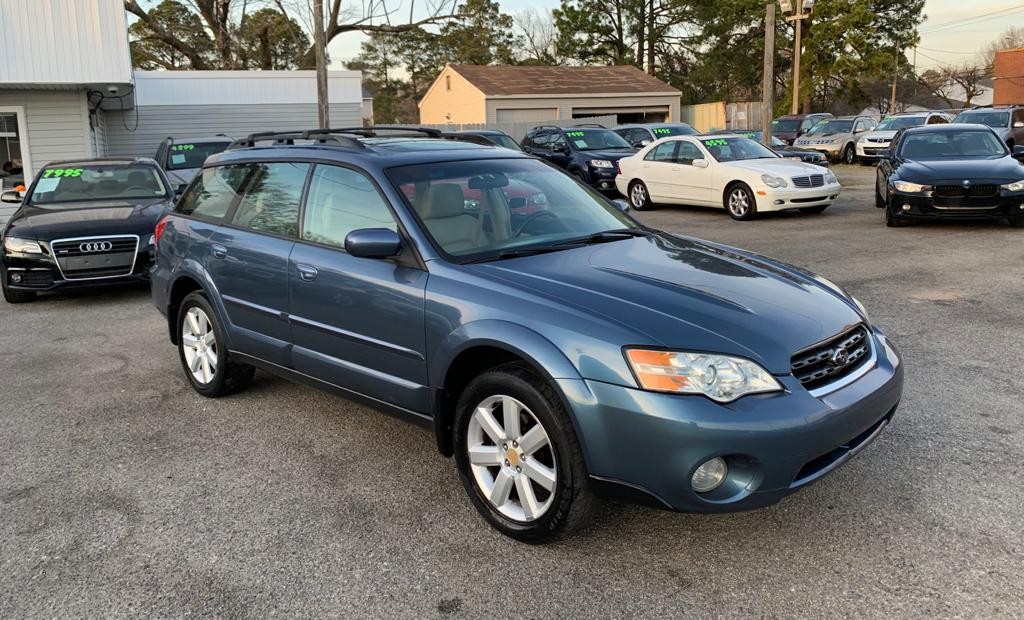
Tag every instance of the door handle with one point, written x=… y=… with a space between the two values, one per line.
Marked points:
x=218 y=250
x=307 y=273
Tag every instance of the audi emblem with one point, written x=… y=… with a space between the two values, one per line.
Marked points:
x=95 y=246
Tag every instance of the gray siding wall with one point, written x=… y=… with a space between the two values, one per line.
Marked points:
x=56 y=121
x=193 y=121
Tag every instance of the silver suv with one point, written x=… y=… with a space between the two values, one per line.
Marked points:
x=871 y=142
x=837 y=137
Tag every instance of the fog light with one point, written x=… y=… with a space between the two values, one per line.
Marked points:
x=709 y=476
x=906 y=207
x=779 y=202
x=16 y=277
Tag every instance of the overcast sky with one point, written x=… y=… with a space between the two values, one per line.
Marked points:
x=956 y=39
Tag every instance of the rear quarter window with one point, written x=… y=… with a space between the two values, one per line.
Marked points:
x=213 y=192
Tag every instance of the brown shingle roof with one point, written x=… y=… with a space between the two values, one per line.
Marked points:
x=536 y=80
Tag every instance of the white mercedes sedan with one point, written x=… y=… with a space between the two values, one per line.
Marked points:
x=732 y=172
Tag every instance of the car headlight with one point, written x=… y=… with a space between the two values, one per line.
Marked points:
x=830 y=177
x=862 y=141
x=23 y=246
x=721 y=378
x=773 y=181
x=911 y=188
x=601 y=163
x=1014 y=187
x=795 y=158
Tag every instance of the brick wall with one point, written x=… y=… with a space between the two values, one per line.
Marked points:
x=1008 y=74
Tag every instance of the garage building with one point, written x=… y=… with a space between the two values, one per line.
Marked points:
x=464 y=94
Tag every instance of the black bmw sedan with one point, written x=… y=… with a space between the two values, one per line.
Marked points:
x=83 y=223
x=950 y=171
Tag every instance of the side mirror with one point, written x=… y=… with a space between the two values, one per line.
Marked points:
x=1018 y=125
x=516 y=202
x=11 y=196
x=885 y=153
x=621 y=204
x=643 y=143
x=1018 y=151
x=373 y=243
x=701 y=163
x=560 y=148
x=180 y=189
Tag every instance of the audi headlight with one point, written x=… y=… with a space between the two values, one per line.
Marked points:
x=1014 y=187
x=911 y=188
x=773 y=181
x=721 y=378
x=601 y=163
x=23 y=246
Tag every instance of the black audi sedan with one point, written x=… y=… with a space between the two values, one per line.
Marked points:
x=83 y=223
x=954 y=171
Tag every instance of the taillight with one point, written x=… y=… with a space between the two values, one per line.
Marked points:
x=160 y=226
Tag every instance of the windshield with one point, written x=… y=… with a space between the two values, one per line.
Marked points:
x=999 y=120
x=505 y=141
x=82 y=182
x=895 y=123
x=828 y=127
x=786 y=125
x=673 y=130
x=737 y=149
x=596 y=139
x=184 y=156
x=475 y=210
x=952 y=145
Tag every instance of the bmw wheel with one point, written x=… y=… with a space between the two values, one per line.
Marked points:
x=639 y=197
x=518 y=456
x=206 y=362
x=740 y=202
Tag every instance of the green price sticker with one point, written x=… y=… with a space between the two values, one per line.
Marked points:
x=663 y=131
x=183 y=147
x=748 y=134
x=62 y=172
x=575 y=134
x=716 y=142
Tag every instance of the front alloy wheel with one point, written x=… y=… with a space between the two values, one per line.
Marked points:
x=639 y=199
x=739 y=202
x=849 y=155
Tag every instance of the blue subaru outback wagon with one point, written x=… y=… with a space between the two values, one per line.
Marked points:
x=560 y=350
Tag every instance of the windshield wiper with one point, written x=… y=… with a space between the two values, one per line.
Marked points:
x=607 y=235
x=502 y=255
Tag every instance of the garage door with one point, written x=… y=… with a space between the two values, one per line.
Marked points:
x=511 y=115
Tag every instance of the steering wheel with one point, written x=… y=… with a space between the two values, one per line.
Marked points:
x=533 y=217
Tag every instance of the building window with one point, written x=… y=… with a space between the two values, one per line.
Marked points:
x=447 y=82
x=12 y=172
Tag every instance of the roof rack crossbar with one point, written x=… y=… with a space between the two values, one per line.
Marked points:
x=318 y=136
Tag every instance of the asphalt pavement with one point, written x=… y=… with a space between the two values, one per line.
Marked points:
x=123 y=493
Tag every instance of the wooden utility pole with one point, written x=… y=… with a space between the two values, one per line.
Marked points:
x=323 y=114
x=895 y=79
x=768 y=85
x=798 y=21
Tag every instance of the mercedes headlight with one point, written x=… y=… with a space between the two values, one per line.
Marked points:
x=601 y=163
x=22 y=246
x=830 y=177
x=794 y=158
x=773 y=181
x=722 y=378
x=1014 y=187
x=911 y=188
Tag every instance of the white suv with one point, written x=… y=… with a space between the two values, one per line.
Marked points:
x=872 y=142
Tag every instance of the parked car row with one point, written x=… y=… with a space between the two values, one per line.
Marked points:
x=479 y=291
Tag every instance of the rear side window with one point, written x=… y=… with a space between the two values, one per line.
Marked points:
x=213 y=192
x=341 y=200
x=665 y=151
x=271 y=200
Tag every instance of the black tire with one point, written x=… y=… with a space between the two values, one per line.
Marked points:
x=849 y=155
x=579 y=177
x=894 y=221
x=229 y=376
x=814 y=210
x=572 y=502
x=740 y=215
x=17 y=297
x=879 y=200
x=634 y=200
x=865 y=162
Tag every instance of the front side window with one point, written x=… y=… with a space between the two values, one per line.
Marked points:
x=688 y=152
x=830 y=127
x=341 y=200
x=213 y=192
x=737 y=149
x=952 y=145
x=663 y=152
x=185 y=156
x=467 y=207
x=85 y=182
x=271 y=200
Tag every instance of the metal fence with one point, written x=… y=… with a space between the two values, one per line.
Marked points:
x=518 y=129
x=722 y=115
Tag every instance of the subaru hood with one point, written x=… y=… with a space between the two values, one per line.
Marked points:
x=682 y=293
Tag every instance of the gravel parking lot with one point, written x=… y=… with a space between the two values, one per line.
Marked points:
x=122 y=492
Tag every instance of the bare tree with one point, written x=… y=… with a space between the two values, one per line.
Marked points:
x=539 y=35
x=1012 y=38
x=957 y=86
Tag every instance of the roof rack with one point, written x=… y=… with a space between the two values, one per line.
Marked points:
x=598 y=125
x=370 y=131
x=339 y=136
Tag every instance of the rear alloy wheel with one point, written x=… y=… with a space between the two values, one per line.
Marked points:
x=740 y=202
x=639 y=197
x=849 y=155
x=205 y=360
x=518 y=456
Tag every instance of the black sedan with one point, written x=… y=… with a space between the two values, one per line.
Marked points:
x=950 y=171
x=83 y=223
x=784 y=150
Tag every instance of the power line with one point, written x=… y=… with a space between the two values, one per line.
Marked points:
x=970 y=21
x=975 y=53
